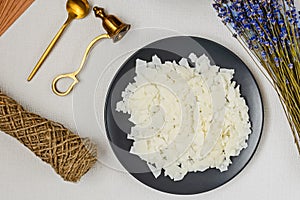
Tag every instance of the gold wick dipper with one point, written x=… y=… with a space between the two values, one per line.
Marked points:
x=115 y=29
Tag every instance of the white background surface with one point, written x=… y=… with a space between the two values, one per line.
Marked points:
x=273 y=173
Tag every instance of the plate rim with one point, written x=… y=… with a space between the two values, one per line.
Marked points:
x=261 y=104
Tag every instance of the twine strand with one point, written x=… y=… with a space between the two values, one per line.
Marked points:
x=68 y=154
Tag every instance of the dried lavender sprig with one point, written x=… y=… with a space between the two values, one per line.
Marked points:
x=271 y=31
x=257 y=38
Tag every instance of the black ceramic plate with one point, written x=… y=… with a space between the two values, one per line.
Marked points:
x=118 y=126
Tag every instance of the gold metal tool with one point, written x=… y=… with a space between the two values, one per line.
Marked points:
x=115 y=29
x=77 y=9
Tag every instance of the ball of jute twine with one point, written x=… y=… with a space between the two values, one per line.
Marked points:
x=69 y=155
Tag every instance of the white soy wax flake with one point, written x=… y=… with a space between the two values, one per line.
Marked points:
x=181 y=113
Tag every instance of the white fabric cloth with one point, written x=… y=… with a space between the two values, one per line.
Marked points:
x=273 y=173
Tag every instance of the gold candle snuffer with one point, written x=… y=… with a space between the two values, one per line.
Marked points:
x=115 y=29
x=77 y=9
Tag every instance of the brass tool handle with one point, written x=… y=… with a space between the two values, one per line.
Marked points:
x=49 y=48
x=74 y=74
x=63 y=76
